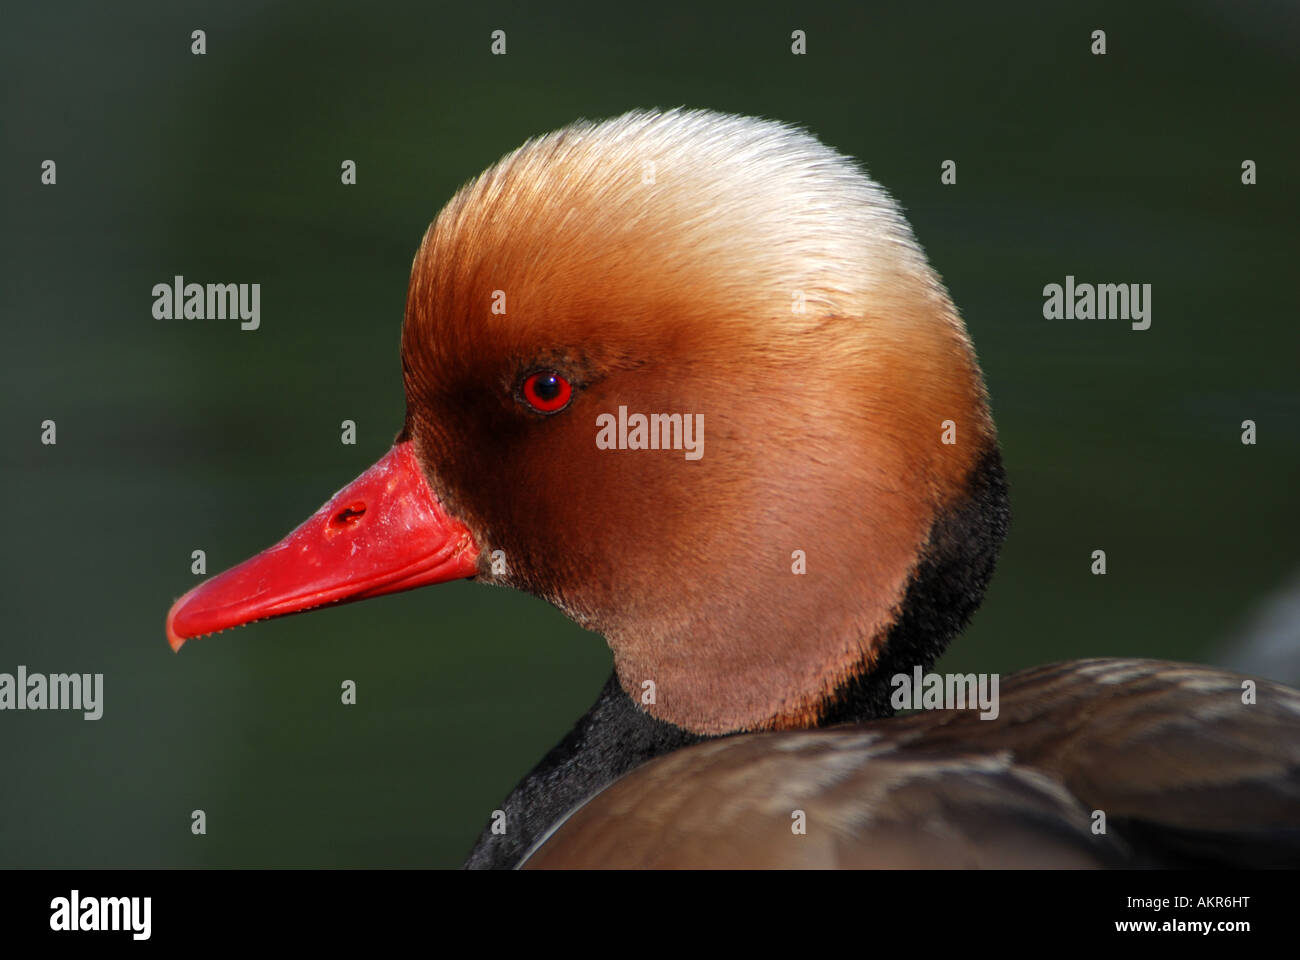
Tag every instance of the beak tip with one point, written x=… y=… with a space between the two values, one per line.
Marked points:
x=174 y=639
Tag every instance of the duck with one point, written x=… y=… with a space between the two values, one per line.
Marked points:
x=830 y=524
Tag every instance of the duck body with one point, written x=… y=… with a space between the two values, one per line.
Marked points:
x=833 y=523
x=1092 y=763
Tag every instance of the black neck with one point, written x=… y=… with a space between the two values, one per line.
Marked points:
x=946 y=589
x=616 y=735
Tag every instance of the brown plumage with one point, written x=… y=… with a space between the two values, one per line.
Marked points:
x=738 y=271
x=678 y=296
x=1184 y=772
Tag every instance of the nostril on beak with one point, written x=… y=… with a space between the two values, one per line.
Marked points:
x=349 y=514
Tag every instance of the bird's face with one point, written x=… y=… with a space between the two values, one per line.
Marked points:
x=762 y=305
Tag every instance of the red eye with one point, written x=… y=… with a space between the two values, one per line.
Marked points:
x=546 y=391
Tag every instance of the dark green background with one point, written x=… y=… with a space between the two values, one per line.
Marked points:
x=180 y=434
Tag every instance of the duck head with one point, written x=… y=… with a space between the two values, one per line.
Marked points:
x=820 y=496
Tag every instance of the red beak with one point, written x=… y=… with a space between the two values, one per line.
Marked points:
x=383 y=532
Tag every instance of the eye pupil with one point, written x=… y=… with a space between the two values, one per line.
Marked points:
x=548 y=386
